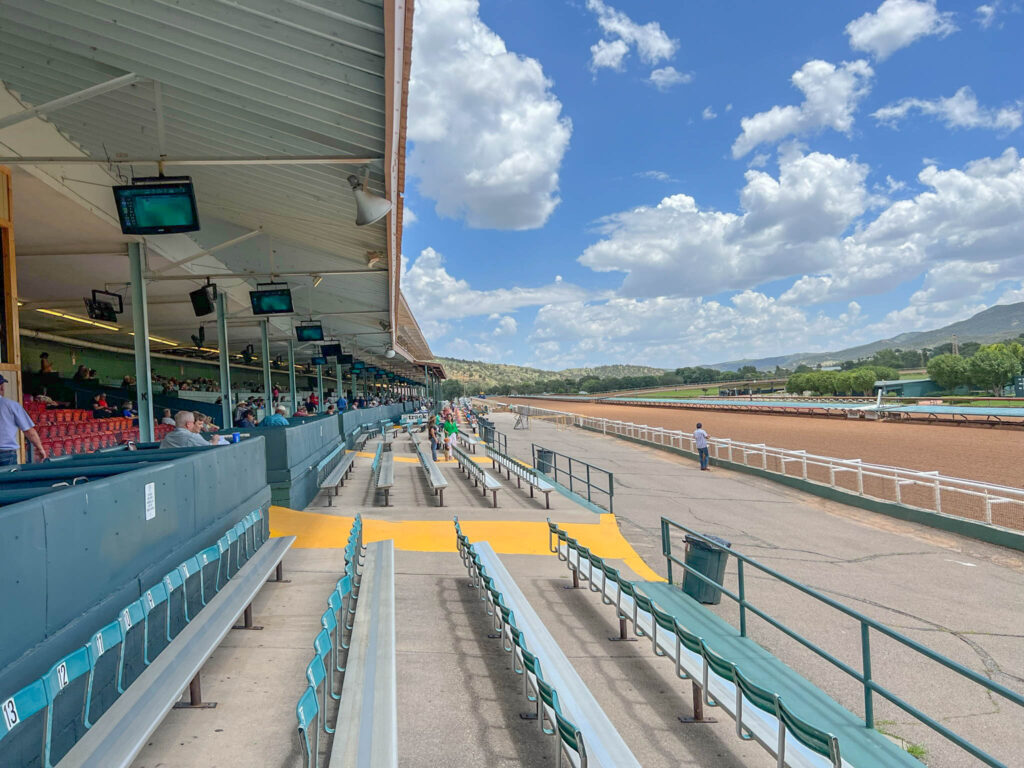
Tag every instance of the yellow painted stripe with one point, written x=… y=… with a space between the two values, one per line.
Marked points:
x=477 y=459
x=314 y=530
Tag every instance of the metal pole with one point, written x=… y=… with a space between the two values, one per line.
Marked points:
x=225 y=365
x=268 y=387
x=339 y=391
x=292 y=384
x=140 y=324
x=320 y=386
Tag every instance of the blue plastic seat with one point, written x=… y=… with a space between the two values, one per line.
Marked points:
x=192 y=576
x=105 y=649
x=133 y=648
x=177 y=617
x=224 y=564
x=23 y=726
x=307 y=712
x=67 y=689
x=154 y=605
x=243 y=553
x=316 y=676
x=209 y=567
x=233 y=546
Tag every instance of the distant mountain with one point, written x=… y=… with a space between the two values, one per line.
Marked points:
x=996 y=323
x=491 y=374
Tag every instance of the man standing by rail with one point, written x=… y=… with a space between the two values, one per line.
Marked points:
x=14 y=419
x=700 y=439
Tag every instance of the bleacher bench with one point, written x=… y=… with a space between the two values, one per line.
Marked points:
x=435 y=477
x=481 y=478
x=367 y=727
x=384 y=472
x=342 y=461
x=599 y=743
x=124 y=729
x=468 y=440
x=723 y=667
x=512 y=467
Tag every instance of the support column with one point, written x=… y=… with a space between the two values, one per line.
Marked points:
x=225 y=363
x=268 y=385
x=140 y=325
x=320 y=388
x=292 y=384
x=339 y=391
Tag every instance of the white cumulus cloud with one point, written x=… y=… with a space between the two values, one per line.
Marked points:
x=507 y=325
x=831 y=95
x=435 y=295
x=621 y=34
x=896 y=24
x=961 y=110
x=486 y=146
x=789 y=225
x=666 y=77
x=709 y=113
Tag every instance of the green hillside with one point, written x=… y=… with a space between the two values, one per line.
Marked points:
x=486 y=376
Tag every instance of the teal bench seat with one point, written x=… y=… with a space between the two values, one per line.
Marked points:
x=861 y=746
x=707 y=650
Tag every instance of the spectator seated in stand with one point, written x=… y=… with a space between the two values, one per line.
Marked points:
x=126 y=410
x=81 y=374
x=127 y=382
x=301 y=412
x=185 y=433
x=167 y=418
x=246 y=422
x=45 y=399
x=279 y=418
x=100 y=408
x=45 y=366
x=331 y=411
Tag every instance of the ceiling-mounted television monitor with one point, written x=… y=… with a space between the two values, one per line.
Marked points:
x=358 y=365
x=157 y=206
x=271 y=301
x=100 y=310
x=204 y=300
x=309 y=332
x=318 y=361
x=330 y=350
x=346 y=359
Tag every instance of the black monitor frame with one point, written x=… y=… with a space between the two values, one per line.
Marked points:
x=155 y=183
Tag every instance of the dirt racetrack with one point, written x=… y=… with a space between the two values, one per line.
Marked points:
x=975 y=453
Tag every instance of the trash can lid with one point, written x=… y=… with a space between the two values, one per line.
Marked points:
x=702 y=544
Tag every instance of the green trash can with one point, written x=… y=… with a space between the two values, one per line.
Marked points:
x=709 y=561
x=546 y=461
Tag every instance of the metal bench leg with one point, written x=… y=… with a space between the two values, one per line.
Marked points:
x=330 y=499
x=279 y=574
x=195 y=697
x=531 y=491
x=247 y=619
x=387 y=502
x=440 y=497
x=623 y=635
x=495 y=495
x=547 y=500
x=698 y=707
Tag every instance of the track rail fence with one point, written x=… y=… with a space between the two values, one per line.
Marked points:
x=996 y=505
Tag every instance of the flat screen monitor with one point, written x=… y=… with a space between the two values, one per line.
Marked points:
x=358 y=365
x=309 y=332
x=318 y=361
x=271 y=301
x=346 y=359
x=157 y=209
x=330 y=350
x=204 y=300
x=100 y=310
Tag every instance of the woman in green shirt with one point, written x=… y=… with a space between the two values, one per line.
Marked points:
x=450 y=429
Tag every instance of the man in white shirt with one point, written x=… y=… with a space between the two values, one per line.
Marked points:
x=167 y=419
x=700 y=438
x=185 y=433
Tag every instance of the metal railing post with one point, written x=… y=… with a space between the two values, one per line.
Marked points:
x=865 y=652
x=666 y=547
x=743 y=598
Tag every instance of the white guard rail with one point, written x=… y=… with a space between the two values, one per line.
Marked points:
x=1000 y=506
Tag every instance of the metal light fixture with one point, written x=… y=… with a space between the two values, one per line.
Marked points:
x=389 y=352
x=369 y=207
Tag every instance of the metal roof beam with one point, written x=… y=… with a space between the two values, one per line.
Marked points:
x=71 y=98
x=247 y=275
x=221 y=160
x=208 y=251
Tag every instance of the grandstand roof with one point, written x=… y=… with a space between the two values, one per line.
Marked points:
x=248 y=90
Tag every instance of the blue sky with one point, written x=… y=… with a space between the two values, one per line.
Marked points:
x=671 y=183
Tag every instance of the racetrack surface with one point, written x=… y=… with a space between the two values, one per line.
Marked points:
x=975 y=453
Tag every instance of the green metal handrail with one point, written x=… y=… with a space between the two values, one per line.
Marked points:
x=866 y=625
